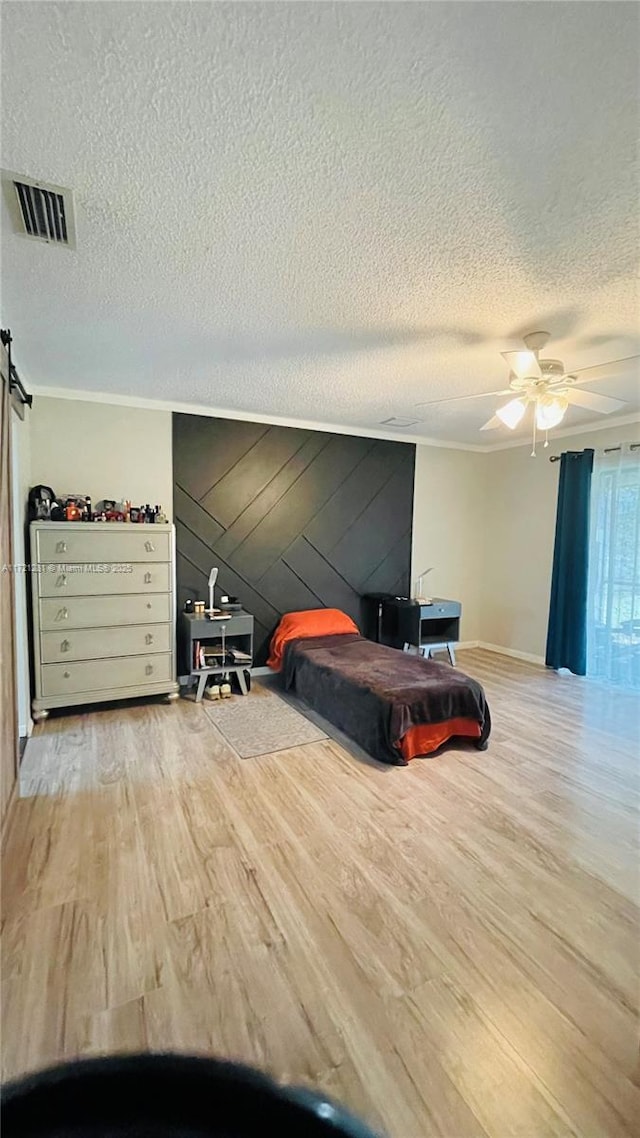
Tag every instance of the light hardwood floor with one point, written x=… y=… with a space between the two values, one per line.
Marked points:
x=450 y=948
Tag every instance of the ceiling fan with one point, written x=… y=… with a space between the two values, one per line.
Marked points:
x=545 y=385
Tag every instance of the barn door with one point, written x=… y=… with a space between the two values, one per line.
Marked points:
x=9 y=741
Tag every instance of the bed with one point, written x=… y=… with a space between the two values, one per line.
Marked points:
x=393 y=704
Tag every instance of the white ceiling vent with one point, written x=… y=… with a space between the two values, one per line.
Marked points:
x=395 y=422
x=40 y=210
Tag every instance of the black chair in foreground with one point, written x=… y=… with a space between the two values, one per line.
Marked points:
x=167 y=1096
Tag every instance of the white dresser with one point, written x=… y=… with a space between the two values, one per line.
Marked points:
x=103 y=612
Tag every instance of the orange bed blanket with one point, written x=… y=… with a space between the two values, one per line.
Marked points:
x=427 y=737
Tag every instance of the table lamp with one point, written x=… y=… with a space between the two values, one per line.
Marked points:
x=213 y=576
x=418 y=596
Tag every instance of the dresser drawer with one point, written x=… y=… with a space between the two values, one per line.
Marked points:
x=101 y=612
x=96 y=643
x=234 y=625
x=114 y=543
x=82 y=580
x=440 y=609
x=100 y=675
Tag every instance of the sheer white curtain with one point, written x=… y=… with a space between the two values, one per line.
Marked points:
x=613 y=614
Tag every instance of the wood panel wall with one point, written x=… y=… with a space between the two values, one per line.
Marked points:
x=295 y=519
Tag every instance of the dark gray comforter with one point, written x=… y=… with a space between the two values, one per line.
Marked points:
x=375 y=694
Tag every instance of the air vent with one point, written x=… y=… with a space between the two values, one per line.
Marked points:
x=41 y=211
x=399 y=422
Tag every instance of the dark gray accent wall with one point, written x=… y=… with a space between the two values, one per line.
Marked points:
x=295 y=519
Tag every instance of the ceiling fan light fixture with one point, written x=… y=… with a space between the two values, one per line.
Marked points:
x=512 y=413
x=524 y=365
x=550 y=410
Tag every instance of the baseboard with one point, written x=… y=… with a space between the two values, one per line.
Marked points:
x=500 y=650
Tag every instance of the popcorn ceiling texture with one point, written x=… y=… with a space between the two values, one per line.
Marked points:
x=324 y=211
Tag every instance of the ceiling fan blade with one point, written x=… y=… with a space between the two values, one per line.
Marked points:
x=523 y=364
x=604 y=404
x=605 y=371
x=491 y=424
x=459 y=398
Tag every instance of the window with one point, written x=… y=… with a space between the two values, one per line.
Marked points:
x=614 y=569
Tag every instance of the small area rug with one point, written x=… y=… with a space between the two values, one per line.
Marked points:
x=261 y=723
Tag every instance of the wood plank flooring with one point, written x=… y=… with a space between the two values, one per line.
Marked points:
x=450 y=948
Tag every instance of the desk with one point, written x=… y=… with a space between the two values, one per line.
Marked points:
x=425 y=628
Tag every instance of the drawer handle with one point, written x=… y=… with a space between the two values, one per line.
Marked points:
x=61 y=582
x=149 y=669
x=149 y=638
x=67 y=675
x=148 y=604
x=61 y=547
x=150 y=547
x=147 y=578
x=65 y=646
x=62 y=614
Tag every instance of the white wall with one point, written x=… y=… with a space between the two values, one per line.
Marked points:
x=520 y=516
x=102 y=449
x=449 y=520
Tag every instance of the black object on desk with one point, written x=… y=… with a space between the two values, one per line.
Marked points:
x=373 y=615
x=427 y=628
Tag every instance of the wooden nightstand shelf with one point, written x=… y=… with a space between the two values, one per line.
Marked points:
x=199 y=630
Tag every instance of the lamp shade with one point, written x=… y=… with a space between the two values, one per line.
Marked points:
x=512 y=413
x=550 y=409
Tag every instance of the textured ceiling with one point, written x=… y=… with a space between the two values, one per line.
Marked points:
x=329 y=212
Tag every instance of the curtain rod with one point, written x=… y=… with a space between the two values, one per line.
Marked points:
x=607 y=450
x=15 y=383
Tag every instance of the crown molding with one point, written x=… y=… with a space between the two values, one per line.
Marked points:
x=168 y=406
x=602 y=424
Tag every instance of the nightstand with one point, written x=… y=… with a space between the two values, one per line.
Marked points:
x=199 y=632
x=426 y=628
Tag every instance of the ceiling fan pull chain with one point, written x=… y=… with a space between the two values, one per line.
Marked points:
x=533 y=441
x=546 y=437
